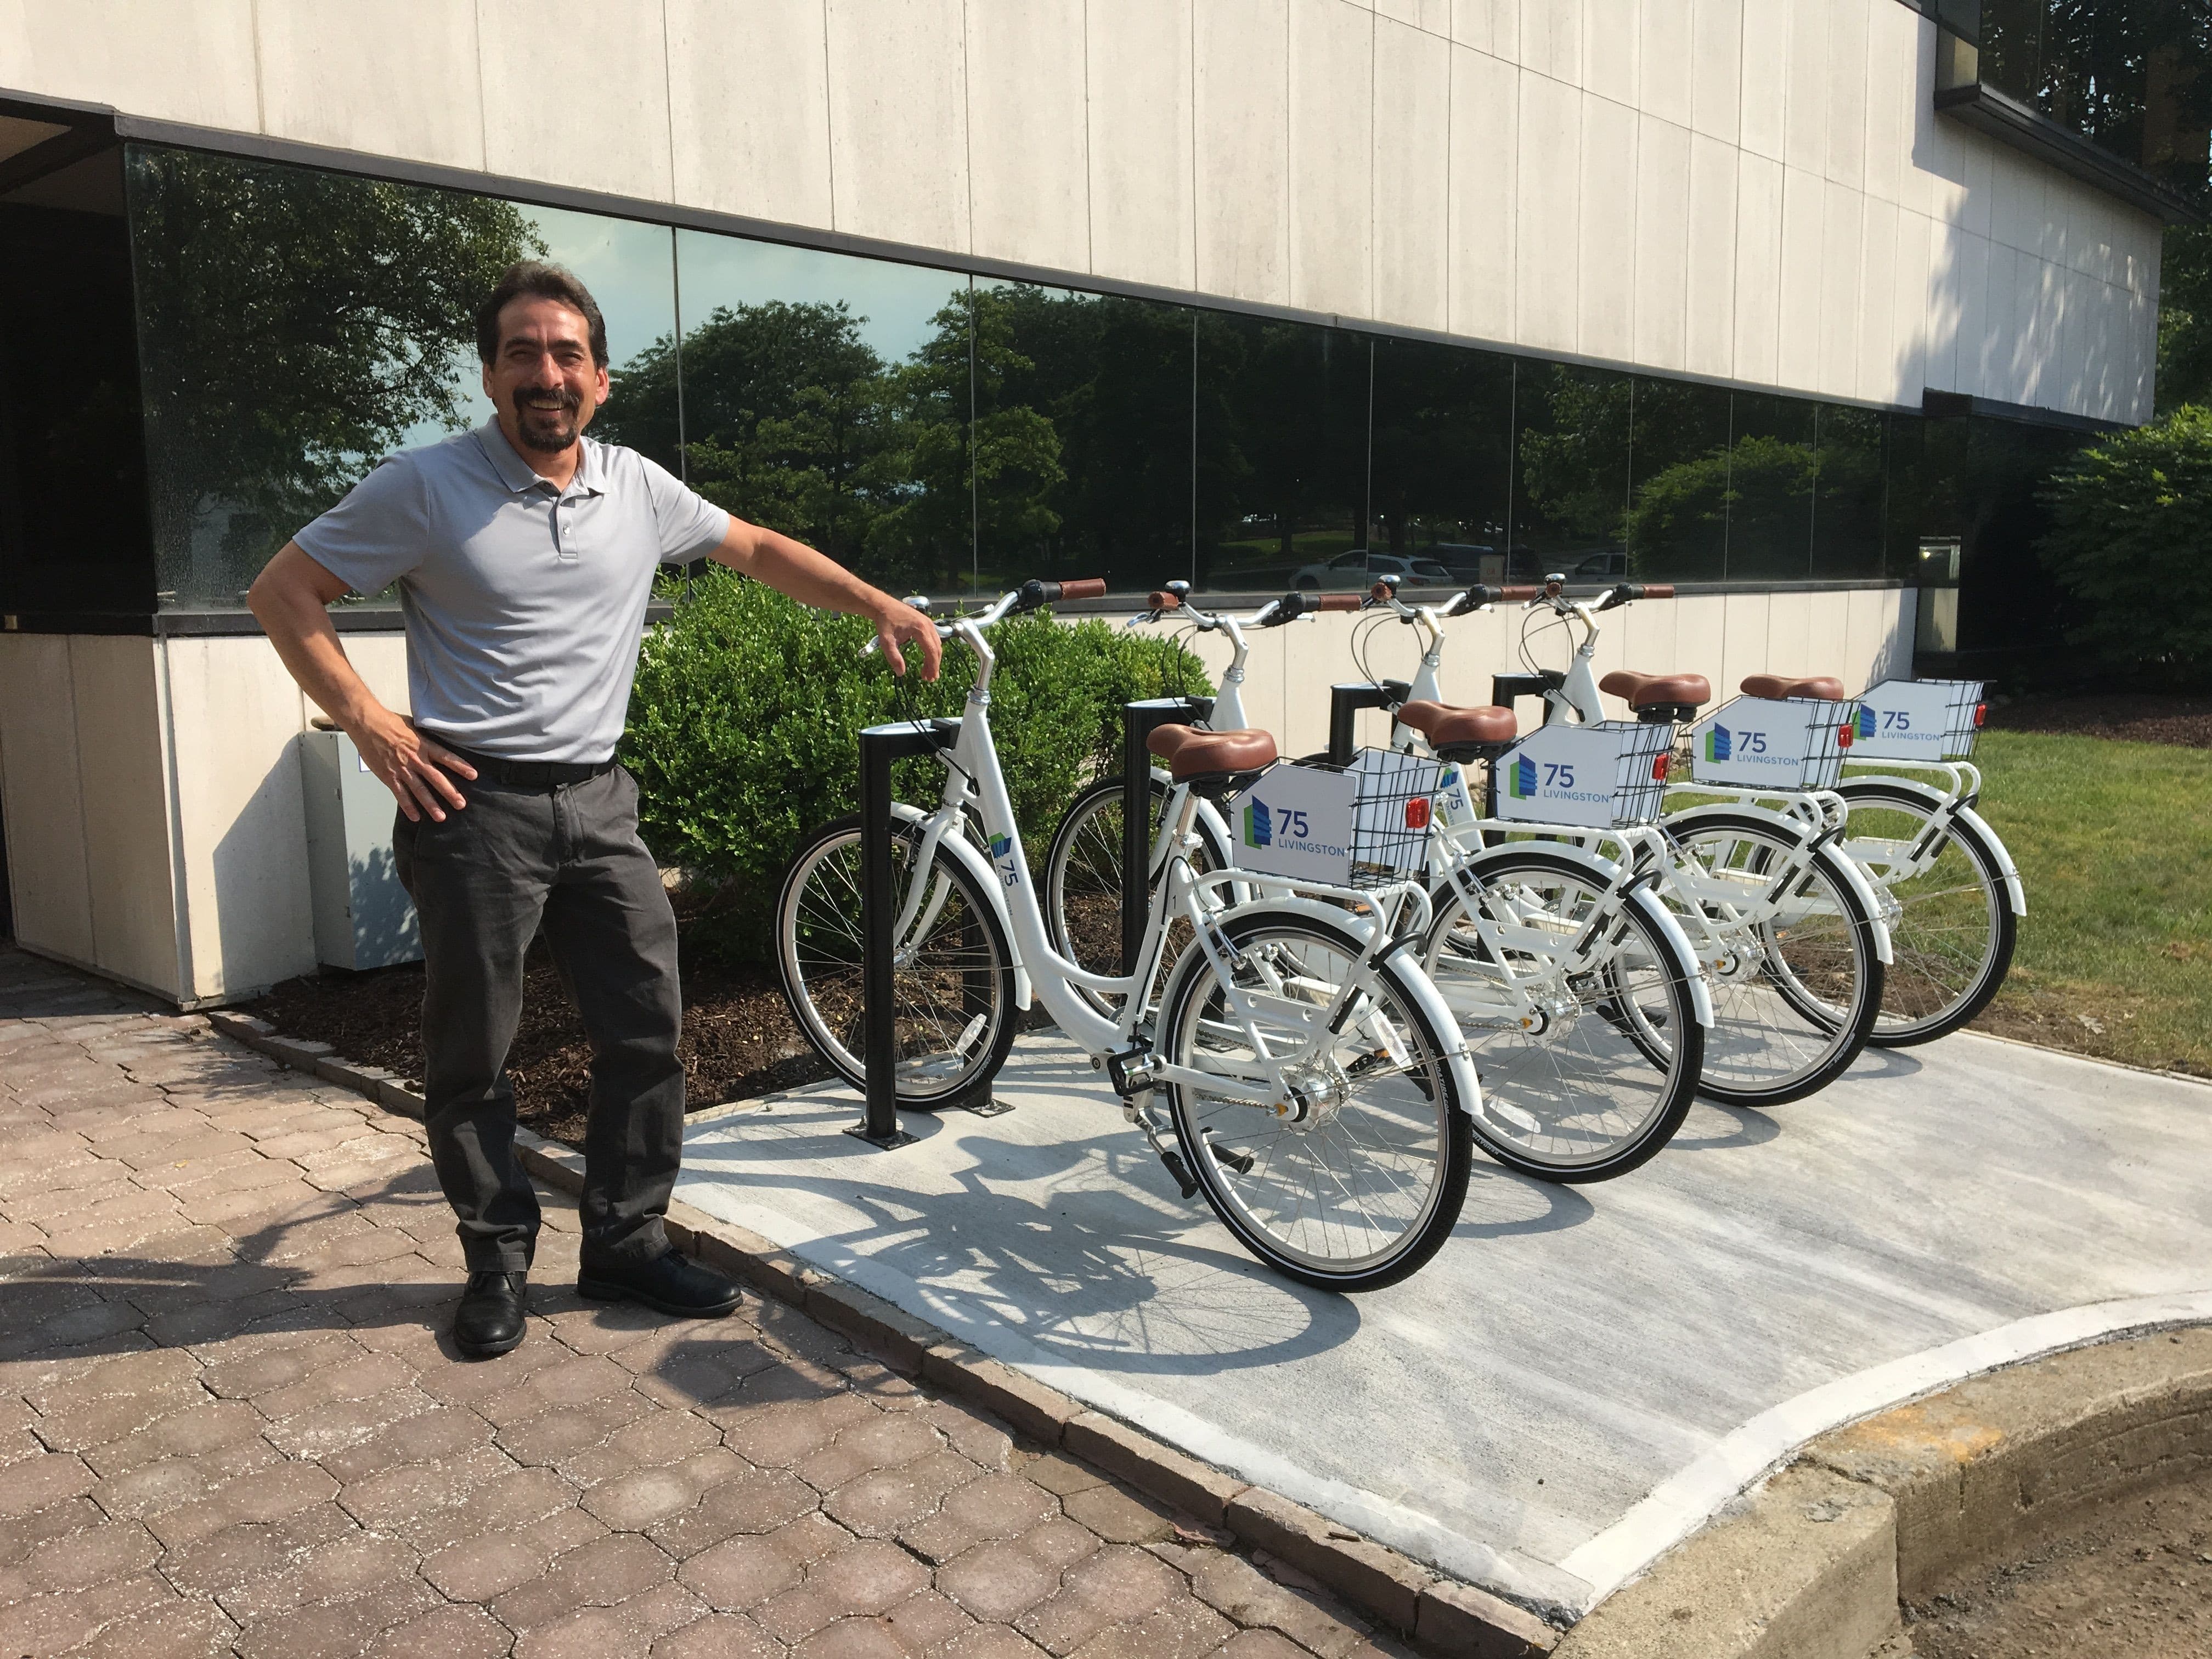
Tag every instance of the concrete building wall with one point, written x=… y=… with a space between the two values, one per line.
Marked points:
x=1753 y=190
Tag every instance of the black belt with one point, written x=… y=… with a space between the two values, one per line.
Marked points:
x=525 y=774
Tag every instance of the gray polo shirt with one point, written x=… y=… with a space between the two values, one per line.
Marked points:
x=524 y=603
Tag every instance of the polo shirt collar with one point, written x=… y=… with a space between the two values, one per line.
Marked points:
x=518 y=474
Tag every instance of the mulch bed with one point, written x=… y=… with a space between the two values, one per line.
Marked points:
x=738 y=1040
x=2135 y=716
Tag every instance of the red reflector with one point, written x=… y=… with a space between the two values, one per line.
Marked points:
x=1981 y=713
x=1659 y=768
x=1416 y=813
x=1844 y=733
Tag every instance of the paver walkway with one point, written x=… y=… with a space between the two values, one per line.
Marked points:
x=230 y=1421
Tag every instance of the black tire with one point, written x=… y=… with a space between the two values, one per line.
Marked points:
x=1599 y=1093
x=1082 y=895
x=962 y=974
x=1829 y=991
x=1932 y=988
x=1422 y=1112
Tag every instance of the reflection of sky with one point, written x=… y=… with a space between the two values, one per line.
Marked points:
x=629 y=269
x=896 y=302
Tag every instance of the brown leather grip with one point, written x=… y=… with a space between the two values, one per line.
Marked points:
x=1338 y=602
x=1160 y=601
x=1381 y=591
x=1658 y=590
x=1518 y=595
x=1089 y=587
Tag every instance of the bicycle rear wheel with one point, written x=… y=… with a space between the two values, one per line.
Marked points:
x=1952 y=936
x=1601 y=1075
x=952 y=977
x=1362 y=1182
x=1800 y=985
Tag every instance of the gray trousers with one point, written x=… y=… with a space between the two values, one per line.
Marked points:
x=566 y=858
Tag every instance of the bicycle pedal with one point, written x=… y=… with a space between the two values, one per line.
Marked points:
x=1133 y=1071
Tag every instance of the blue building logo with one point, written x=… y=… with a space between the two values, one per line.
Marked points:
x=1259 y=826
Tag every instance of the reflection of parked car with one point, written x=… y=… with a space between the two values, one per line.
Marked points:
x=1468 y=561
x=1361 y=567
x=1603 y=564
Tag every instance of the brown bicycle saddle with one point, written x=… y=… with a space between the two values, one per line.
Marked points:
x=1823 y=686
x=1191 y=753
x=1655 y=690
x=1445 y=725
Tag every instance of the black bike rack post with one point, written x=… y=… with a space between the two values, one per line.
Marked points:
x=879 y=746
x=1138 y=721
x=1344 y=702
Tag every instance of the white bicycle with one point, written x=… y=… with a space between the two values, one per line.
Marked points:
x=1787 y=932
x=1317 y=1091
x=1576 y=991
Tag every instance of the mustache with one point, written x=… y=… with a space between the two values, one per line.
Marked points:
x=568 y=396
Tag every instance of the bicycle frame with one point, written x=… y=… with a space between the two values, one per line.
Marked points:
x=974 y=782
x=1952 y=802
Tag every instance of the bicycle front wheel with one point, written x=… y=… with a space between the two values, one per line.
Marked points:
x=1360 y=1180
x=1588 y=1064
x=1796 y=985
x=952 y=977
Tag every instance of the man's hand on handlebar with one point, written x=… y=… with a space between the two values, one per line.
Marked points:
x=898 y=623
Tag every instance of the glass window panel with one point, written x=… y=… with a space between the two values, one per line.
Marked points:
x=1082 y=424
x=826 y=396
x=1282 y=451
x=73 y=530
x=1771 y=467
x=1570 y=495
x=1677 y=528
x=2008 y=603
x=1443 y=476
x=1847 y=512
x=295 y=326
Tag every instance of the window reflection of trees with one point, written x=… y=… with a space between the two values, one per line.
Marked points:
x=293 y=325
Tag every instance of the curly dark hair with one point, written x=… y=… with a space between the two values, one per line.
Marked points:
x=535 y=278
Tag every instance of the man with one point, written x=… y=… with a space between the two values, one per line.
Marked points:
x=524 y=554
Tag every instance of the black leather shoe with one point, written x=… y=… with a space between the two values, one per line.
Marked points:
x=671 y=1284
x=489 y=1321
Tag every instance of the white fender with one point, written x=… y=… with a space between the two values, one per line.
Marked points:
x=1796 y=827
x=2015 y=894
x=1605 y=872
x=955 y=842
x=1424 y=990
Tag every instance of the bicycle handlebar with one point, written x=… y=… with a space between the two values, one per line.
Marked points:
x=1028 y=597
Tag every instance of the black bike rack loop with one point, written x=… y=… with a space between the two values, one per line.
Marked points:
x=1344 y=702
x=879 y=746
x=1138 y=721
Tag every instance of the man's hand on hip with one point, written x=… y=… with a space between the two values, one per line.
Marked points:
x=899 y=624
x=411 y=766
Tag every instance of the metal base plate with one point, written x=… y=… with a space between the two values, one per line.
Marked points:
x=990 y=1109
x=891 y=1142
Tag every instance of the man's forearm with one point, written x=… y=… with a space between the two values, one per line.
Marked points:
x=792 y=568
x=308 y=642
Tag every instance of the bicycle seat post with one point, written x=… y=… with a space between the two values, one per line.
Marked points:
x=1138 y=721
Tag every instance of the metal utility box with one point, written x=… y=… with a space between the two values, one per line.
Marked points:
x=363 y=917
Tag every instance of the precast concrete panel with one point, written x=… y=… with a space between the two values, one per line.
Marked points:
x=1611 y=42
x=1876 y=352
x=1717 y=47
x=748 y=108
x=42 y=787
x=1332 y=147
x=1843 y=250
x=1606 y=268
x=1488 y=25
x=1552 y=39
x=1758 y=266
x=1663 y=79
x=1413 y=181
x=1142 y=217
x=1709 y=311
x=1798 y=336
x=1240 y=71
x=534 y=51
x=1028 y=183
x=1485 y=121
x=898 y=125
x=1805 y=85
x=1844 y=60
x=398 y=78
x=193 y=64
x=1663 y=243
x=1547 y=213
x=124 y=788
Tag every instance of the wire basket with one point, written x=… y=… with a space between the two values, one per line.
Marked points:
x=1772 y=742
x=1393 y=804
x=1919 y=721
x=1610 y=775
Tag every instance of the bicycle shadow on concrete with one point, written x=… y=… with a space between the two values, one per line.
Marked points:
x=1079 y=1248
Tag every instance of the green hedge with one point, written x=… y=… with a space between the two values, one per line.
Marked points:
x=2131 y=537
x=744 y=720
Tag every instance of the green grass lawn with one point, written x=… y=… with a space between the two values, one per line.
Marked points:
x=2114 y=844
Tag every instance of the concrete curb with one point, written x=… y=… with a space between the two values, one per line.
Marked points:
x=1813 y=1563
x=1441 y=1615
